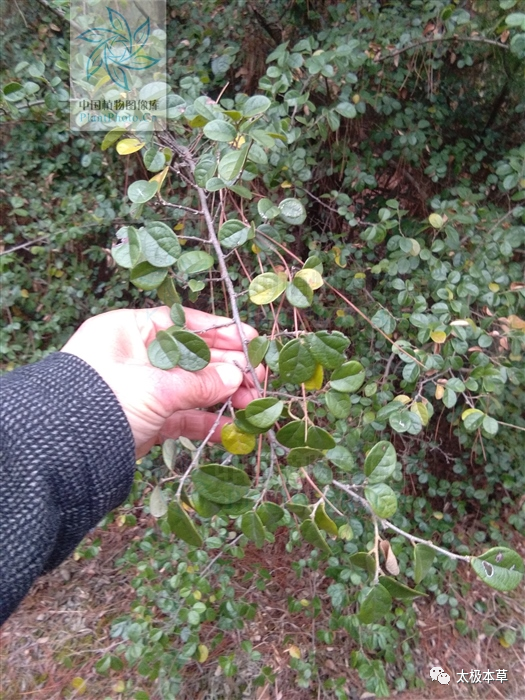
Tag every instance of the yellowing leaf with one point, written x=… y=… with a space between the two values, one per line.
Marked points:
x=305 y=603
x=340 y=313
x=316 y=380
x=421 y=410
x=504 y=643
x=435 y=220
x=516 y=322
x=337 y=256
x=285 y=185
x=127 y=146
x=437 y=515
x=203 y=653
x=160 y=177
x=294 y=652
x=494 y=287
x=402 y=398
x=356 y=99
x=438 y=336
x=118 y=687
x=239 y=141
x=79 y=684
x=359 y=276
x=255 y=248
x=311 y=277
x=440 y=391
x=179 y=226
x=24 y=293
x=197 y=595
x=235 y=441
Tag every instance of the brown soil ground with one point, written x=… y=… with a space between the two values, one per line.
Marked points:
x=62 y=629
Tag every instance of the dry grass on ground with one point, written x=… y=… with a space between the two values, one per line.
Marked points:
x=62 y=630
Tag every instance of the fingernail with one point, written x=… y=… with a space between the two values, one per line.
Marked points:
x=230 y=376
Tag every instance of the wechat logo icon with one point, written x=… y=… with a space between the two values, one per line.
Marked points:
x=438 y=674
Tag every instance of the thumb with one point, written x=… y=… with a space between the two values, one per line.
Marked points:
x=213 y=384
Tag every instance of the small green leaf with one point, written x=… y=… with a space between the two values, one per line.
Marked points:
x=295 y=434
x=159 y=244
x=292 y=211
x=342 y=458
x=270 y=513
x=257 y=348
x=267 y=209
x=233 y=233
x=181 y=525
x=346 y=109
x=232 y=163
x=245 y=426
x=375 y=606
x=324 y=522
x=157 y=503
x=257 y=104
x=490 y=426
x=338 y=404
x=423 y=559
x=398 y=590
x=154 y=159
x=110 y=138
x=178 y=315
x=382 y=499
x=472 y=418
x=314 y=263
x=313 y=536
x=167 y=292
x=299 y=293
x=267 y=287
x=348 y=378
x=194 y=352
x=302 y=511
x=365 y=561
x=380 y=462
x=262 y=413
x=303 y=456
x=328 y=348
x=195 y=261
x=163 y=352
x=236 y=441
x=127 y=254
x=204 y=507
x=499 y=567
x=146 y=276
x=319 y=439
x=219 y=130
x=205 y=169
x=296 y=363
x=221 y=484
x=252 y=527
x=142 y=191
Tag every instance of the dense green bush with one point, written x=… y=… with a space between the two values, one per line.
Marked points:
x=356 y=193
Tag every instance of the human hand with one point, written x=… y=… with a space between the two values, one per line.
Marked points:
x=161 y=404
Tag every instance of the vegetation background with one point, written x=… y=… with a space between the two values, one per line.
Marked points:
x=404 y=130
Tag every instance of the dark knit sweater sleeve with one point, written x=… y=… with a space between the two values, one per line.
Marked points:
x=66 y=459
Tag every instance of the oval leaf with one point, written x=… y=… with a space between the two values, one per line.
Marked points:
x=181 y=525
x=219 y=130
x=382 y=499
x=313 y=536
x=163 y=352
x=194 y=353
x=221 y=484
x=270 y=513
x=328 y=348
x=499 y=567
x=142 y=191
x=267 y=287
x=257 y=348
x=299 y=293
x=375 y=606
x=303 y=456
x=159 y=244
x=380 y=462
x=262 y=413
x=252 y=527
x=235 y=441
x=195 y=261
x=233 y=233
x=292 y=211
x=296 y=363
x=157 y=503
x=398 y=590
x=423 y=559
x=348 y=378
